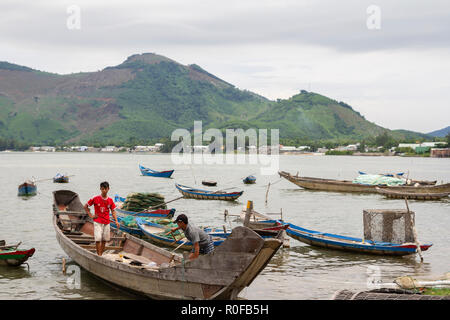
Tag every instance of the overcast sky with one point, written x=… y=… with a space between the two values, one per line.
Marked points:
x=397 y=76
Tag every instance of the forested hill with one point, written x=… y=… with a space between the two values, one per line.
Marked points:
x=147 y=97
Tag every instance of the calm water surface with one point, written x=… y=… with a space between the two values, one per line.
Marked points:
x=298 y=272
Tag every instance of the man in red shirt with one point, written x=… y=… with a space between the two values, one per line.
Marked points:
x=102 y=205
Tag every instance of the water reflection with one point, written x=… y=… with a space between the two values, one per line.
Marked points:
x=298 y=272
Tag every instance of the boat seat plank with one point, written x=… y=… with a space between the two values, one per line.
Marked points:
x=92 y=246
x=137 y=258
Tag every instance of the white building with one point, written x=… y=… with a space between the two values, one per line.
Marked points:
x=48 y=149
x=287 y=148
x=108 y=149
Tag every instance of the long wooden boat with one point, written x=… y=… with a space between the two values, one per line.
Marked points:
x=28 y=188
x=11 y=256
x=412 y=195
x=338 y=242
x=155 y=233
x=153 y=173
x=249 y=180
x=146 y=269
x=193 y=193
x=59 y=178
x=349 y=186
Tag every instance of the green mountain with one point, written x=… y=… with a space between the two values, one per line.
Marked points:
x=440 y=133
x=147 y=97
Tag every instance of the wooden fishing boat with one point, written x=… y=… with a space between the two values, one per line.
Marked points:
x=412 y=195
x=10 y=256
x=59 y=178
x=262 y=222
x=153 y=173
x=145 y=269
x=209 y=183
x=250 y=180
x=349 y=186
x=156 y=234
x=28 y=188
x=193 y=193
x=338 y=242
x=159 y=213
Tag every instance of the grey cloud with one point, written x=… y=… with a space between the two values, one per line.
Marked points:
x=320 y=23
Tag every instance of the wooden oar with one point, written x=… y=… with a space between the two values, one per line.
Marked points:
x=180 y=244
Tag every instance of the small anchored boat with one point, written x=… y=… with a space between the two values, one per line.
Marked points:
x=250 y=180
x=28 y=188
x=194 y=193
x=209 y=183
x=60 y=178
x=11 y=256
x=153 y=173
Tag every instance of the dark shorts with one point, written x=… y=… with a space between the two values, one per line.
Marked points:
x=207 y=248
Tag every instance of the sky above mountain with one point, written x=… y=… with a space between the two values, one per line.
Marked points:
x=396 y=76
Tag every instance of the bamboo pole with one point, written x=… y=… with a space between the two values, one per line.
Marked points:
x=248 y=213
x=267 y=192
x=419 y=251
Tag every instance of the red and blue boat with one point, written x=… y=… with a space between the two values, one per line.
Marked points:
x=153 y=173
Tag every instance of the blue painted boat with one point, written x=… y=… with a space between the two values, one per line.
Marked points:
x=159 y=213
x=156 y=234
x=153 y=173
x=250 y=180
x=338 y=242
x=193 y=193
x=60 y=178
x=28 y=188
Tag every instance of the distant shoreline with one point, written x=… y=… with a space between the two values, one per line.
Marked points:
x=281 y=154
